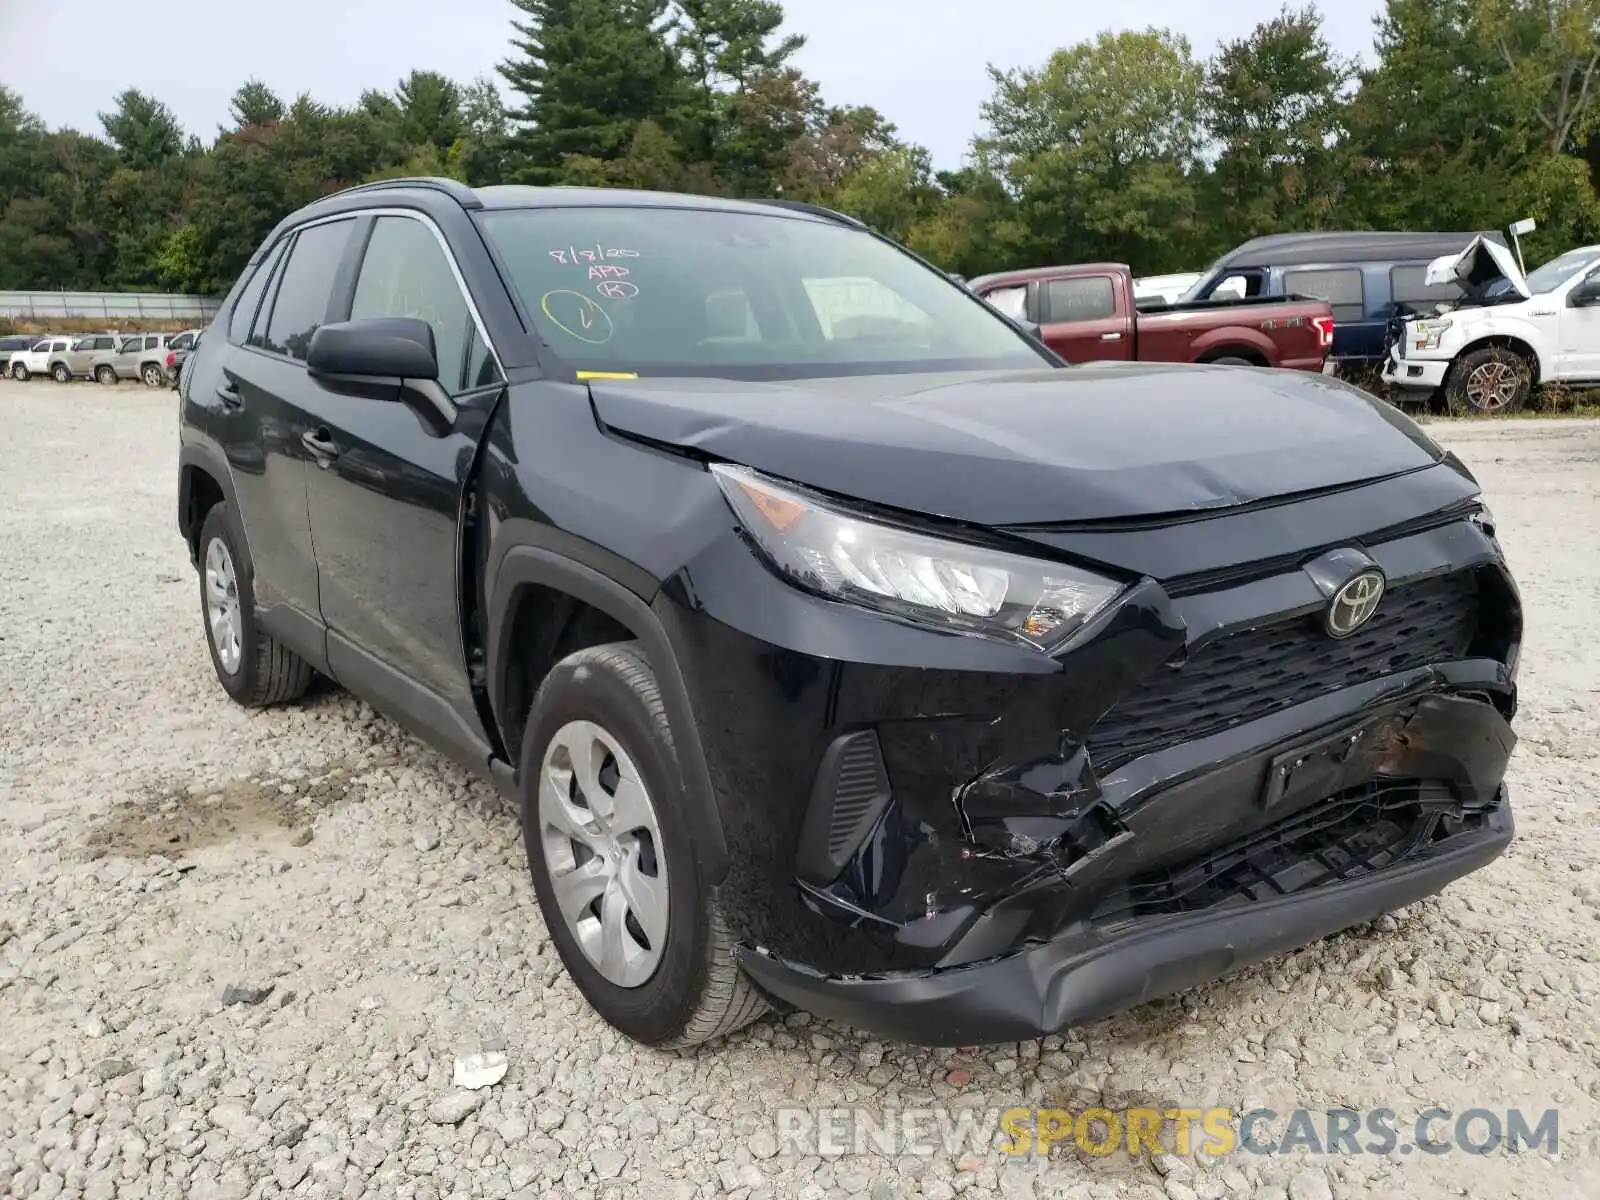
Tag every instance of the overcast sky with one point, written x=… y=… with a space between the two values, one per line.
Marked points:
x=920 y=62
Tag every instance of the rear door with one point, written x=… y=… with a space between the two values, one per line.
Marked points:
x=1079 y=319
x=386 y=495
x=261 y=422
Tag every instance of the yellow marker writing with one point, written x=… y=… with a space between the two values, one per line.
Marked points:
x=582 y=375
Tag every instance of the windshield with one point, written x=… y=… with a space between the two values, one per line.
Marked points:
x=695 y=291
x=1558 y=270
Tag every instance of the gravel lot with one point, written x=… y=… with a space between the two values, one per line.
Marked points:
x=158 y=845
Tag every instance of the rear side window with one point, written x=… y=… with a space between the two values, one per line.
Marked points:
x=244 y=312
x=1343 y=289
x=305 y=289
x=1088 y=298
x=1408 y=285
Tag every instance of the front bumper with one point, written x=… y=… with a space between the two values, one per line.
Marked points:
x=1061 y=983
x=1412 y=373
x=905 y=811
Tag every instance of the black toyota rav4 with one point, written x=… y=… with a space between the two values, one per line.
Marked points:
x=842 y=645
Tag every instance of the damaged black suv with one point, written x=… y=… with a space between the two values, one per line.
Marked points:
x=842 y=645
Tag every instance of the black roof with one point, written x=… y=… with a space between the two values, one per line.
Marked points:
x=1298 y=249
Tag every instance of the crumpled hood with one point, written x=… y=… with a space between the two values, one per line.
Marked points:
x=1477 y=267
x=1030 y=447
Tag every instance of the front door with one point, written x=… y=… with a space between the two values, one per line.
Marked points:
x=1578 y=344
x=1079 y=321
x=386 y=498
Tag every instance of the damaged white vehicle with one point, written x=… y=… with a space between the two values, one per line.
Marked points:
x=1510 y=332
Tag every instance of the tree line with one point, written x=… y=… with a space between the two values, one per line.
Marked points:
x=1125 y=147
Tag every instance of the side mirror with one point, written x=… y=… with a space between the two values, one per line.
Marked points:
x=384 y=358
x=387 y=348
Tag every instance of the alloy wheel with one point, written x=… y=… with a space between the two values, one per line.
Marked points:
x=603 y=851
x=1492 y=386
x=223 y=618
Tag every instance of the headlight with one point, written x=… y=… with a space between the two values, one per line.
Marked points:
x=825 y=549
x=1428 y=334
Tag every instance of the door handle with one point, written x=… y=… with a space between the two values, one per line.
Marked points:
x=1110 y=337
x=229 y=394
x=320 y=443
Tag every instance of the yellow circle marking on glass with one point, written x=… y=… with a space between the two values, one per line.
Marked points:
x=594 y=323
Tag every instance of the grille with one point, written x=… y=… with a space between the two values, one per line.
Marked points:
x=1348 y=835
x=1248 y=675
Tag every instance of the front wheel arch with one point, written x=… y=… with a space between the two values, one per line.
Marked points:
x=525 y=567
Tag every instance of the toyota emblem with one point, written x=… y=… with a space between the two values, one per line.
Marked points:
x=1353 y=604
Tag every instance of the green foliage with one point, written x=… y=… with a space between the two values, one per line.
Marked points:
x=1125 y=147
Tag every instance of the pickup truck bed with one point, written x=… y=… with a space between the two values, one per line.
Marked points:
x=1087 y=313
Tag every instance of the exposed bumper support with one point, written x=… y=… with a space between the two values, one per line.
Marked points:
x=1062 y=983
x=1422 y=374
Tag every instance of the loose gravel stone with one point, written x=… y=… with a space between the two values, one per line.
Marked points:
x=147 y=862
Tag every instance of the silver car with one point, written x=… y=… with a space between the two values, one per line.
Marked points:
x=78 y=361
x=140 y=356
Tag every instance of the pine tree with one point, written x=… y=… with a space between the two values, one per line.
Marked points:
x=587 y=73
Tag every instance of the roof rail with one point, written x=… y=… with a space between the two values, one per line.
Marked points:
x=454 y=188
x=816 y=210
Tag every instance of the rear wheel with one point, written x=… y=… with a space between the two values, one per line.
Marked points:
x=1232 y=360
x=1488 y=381
x=105 y=374
x=61 y=373
x=151 y=375
x=613 y=856
x=252 y=666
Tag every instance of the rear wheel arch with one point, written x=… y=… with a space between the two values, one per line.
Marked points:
x=546 y=606
x=202 y=485
x=1237 y=354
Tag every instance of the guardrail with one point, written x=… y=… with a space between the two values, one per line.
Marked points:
x=110 y=306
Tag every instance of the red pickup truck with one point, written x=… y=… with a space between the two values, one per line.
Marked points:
x=1087 y=313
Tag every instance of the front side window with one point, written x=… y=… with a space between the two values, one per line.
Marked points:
x=131 y=345
x=405 y=274
x=738 y=294
x=1343 y=289
x=1088 y=298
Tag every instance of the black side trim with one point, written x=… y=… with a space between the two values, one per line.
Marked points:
x=525 y=565
x=307 y=636
x=423 y=712
x=848 y=797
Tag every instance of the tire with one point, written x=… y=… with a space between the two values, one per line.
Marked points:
x=252 y=666
x=1231 y=360
x=20 y=373
x=1488 y=381
x=152 y=375
x=685 y=987
x=61 y=373
x=105 y=375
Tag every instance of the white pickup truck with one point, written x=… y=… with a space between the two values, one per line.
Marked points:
x=1510 y=332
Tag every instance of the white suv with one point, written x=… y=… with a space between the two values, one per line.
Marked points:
x=36 y=359
x=1512 y=332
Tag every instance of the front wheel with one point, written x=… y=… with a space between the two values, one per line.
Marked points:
x=1488 y=381
x=61 y=373
x=252 y=666
x=105 y=375
x=20 y=373
x=613 y=858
